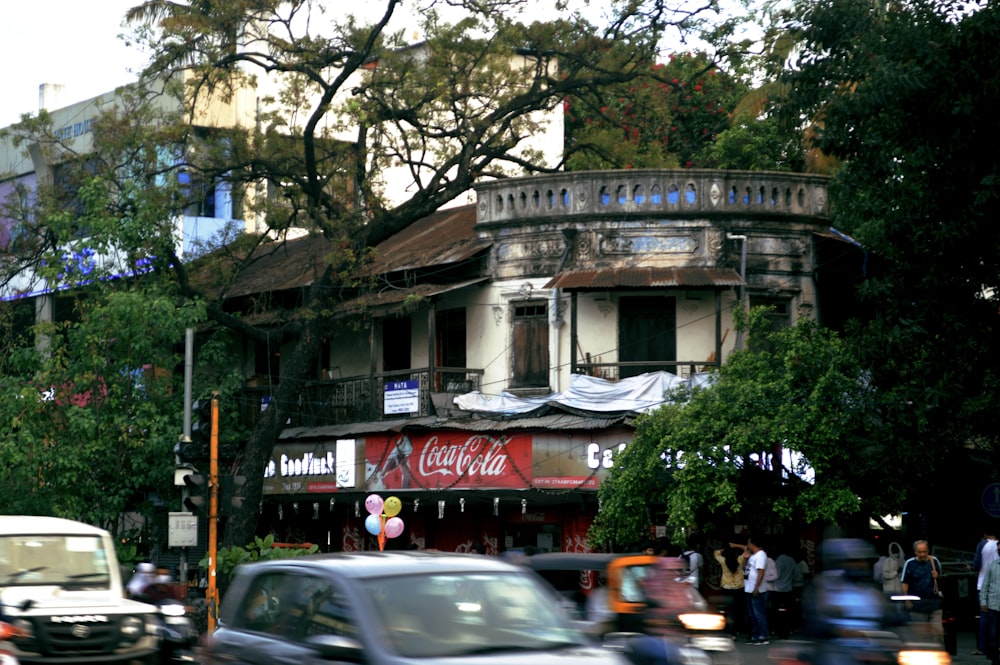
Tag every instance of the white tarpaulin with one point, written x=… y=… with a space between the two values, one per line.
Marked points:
x=587 y=393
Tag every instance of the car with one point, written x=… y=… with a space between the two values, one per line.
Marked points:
x=62 y=599
x=385 y=608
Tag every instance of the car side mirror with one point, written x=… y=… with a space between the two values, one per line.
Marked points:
x=337 y=647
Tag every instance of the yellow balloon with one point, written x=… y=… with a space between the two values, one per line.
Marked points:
x=392 y=506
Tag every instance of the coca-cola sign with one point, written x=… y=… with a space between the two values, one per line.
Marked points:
x=444 y=460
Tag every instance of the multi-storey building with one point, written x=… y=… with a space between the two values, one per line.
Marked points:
x=511 y=344
x=493 y=373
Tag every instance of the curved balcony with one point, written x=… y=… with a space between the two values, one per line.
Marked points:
x=653 y=192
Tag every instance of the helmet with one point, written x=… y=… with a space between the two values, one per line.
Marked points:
x=146 y=568
x=840 y=553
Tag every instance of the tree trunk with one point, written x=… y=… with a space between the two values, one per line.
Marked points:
x=296 y=370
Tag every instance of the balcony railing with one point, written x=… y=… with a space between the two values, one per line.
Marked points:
x=360 y=398
x=616 y=371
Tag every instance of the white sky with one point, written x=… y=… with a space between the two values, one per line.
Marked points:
x=62 y=41
x=77 y=44
x=69 y=42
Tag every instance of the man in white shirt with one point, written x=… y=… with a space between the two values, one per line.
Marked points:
x=756 y=590
x=986 y=554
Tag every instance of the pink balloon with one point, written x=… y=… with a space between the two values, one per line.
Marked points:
x=374 y=503
x=393 y=527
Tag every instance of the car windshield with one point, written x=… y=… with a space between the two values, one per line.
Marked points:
x=433 y=616
x=60 y=560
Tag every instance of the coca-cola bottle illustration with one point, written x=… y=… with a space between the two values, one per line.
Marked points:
x=395 y=470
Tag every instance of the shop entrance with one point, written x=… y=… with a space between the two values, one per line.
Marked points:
x=543 y=537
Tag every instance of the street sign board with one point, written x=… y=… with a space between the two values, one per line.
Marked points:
x=401 y=397
x=182 y=530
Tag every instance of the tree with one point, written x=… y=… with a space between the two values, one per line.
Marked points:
x=906 y=93
x=668 y=117
x=88 y=413
x=776 y=427
x=348 y=106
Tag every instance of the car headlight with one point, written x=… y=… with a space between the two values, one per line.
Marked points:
x=172 y=610
x=703 y=621
x=923 y=657
x=133 y=627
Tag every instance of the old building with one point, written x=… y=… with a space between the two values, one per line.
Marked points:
x=511 y=344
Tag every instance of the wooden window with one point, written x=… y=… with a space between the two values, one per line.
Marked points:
x=530 y=345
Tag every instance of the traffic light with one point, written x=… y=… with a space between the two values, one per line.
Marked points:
x=201 y=425
x=188 y=452
x=230 y=487
x=198 y=493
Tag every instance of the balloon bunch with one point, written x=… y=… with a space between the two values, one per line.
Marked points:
x=382 y=520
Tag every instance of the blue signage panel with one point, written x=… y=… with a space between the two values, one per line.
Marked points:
x=401 y=397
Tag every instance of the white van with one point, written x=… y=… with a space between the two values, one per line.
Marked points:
x=61 y=589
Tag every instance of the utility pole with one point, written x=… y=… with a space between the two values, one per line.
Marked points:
x=212 y=594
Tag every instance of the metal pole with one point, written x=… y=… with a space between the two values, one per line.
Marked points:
x=182 y=572
x=212 y=595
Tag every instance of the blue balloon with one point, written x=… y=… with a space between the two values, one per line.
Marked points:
x=373 y=524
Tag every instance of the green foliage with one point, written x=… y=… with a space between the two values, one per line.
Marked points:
x=905 y=92
x=795 y=390
x=261 y=549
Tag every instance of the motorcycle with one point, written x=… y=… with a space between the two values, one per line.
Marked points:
x=7 y=631
x=178 y=635
x=845 y=645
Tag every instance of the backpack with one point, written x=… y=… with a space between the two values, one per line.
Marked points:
x=770 y=571
x=686 y=558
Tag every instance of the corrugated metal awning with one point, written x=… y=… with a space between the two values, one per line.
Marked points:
x=648 y=277
x=391 y=301
x=554 y=422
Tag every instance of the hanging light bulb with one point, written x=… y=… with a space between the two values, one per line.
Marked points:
x=461 y=504
x=496 y=505
x=315 y=510
x=357 y=509
x=441 y=509
x=281 y=512
x=332 y=502
x=416 y=504
x=524 y=506
x=295 y=507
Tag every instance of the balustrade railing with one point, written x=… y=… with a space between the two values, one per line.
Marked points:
x=360 y=398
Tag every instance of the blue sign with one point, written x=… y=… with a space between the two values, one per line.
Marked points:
x=401 y=397
x=991 y=500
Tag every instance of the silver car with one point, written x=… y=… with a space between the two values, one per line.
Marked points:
x=395 y=607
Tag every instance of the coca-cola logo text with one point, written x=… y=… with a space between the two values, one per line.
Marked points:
x=477 y=456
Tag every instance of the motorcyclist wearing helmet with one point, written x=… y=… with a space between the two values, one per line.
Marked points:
x=842 y=608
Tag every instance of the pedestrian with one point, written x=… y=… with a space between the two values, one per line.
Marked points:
x=692 y=563
x=920 y=578
x=756 y=593
x=782 y=597
x=989 y=603
x=986 y=553
x=734 y=599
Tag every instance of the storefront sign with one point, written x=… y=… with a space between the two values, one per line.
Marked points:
x=323 y=467
x=447 y=460
x=466 y=460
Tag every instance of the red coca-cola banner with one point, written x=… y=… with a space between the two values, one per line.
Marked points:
x=445 y=460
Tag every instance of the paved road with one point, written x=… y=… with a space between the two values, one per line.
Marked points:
x=758 y=655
